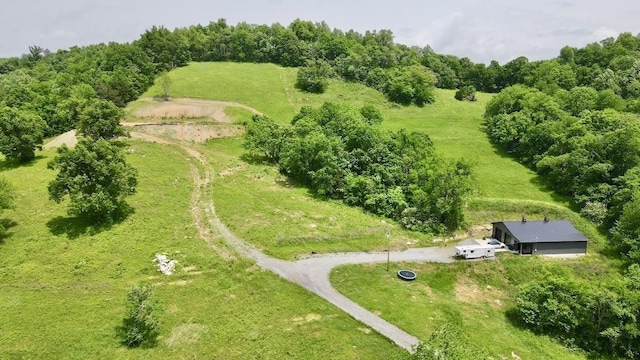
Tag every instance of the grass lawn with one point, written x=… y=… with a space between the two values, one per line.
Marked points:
x=283 y=220
x=64 y=284
x=473 y=296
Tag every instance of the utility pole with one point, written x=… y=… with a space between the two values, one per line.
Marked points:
x=388 y=247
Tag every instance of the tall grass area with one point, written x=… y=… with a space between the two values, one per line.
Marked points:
x=64 y=284
x=472 y=296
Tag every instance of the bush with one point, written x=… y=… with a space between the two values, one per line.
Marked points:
x=140 y=324
x=314 y=77
x=466 y=93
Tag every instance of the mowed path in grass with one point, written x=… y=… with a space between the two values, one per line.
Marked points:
x=455 y=127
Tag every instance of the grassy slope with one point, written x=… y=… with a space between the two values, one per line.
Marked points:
x=63 y=289
x=308 y=225
x=470 y=295
x=283 y=214
x=455 y=127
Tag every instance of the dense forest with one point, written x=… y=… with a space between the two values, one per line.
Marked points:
x=573 y=119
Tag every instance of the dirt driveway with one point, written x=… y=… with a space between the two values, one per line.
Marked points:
x=311 y=273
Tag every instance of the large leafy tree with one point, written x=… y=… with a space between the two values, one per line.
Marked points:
x=96 y=177
x=21 y=133
x=100 y=119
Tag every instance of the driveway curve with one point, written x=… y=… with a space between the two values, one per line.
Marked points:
x=311 y=273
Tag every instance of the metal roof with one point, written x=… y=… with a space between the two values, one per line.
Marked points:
x=543 y=231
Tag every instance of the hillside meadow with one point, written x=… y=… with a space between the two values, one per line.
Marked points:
x=65 y=283
x=284 y=220
x=455 y=127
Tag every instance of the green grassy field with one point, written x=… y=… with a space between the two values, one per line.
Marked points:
x=258 y=204
x=286 y=220
x=64 y=285
x=472 y=296
x=455 y=127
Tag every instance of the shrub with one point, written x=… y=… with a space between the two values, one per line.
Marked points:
x=140 y=324
x=314 y=77
x=466 y=93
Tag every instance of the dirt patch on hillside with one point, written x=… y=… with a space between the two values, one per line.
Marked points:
x=191 y=132
x=69 y=138
x=182 y=109
x=153 y=110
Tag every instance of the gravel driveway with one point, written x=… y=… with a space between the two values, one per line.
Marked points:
x=313 y=274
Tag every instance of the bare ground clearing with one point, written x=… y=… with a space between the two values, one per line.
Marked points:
x=69 y=138
x=195 y=132
x=187 y=108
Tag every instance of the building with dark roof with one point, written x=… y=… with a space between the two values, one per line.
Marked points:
x=540 y=237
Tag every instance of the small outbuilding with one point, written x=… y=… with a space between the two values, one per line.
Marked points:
x=541 y=237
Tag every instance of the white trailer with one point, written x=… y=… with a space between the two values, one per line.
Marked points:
x=475 y=251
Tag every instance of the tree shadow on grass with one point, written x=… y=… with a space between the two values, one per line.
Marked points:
x=6 y=224
x=256 y=159
x=537 y=180
x=14 y=164
x=74 y=227
x=545 y=187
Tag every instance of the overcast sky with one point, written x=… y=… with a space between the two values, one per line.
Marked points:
x=479 y=29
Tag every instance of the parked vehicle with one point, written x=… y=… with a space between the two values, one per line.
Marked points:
x=475 y=251
x=496 y=244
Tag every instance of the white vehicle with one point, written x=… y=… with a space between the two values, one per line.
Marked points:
x=475 y=251
x=496 y=244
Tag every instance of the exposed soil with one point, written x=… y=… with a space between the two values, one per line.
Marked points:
x=187 y=108
x=69 y=138
x=196 y=132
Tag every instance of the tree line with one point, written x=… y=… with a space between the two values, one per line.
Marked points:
x=44 y=94
x=340 y=152
x=574 y=121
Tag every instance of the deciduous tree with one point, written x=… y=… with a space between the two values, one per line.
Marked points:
x=100 y=119
x=21 y=133
x=96 y=177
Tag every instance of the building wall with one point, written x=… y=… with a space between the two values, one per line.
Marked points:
x=501 y=233
x=576 y=247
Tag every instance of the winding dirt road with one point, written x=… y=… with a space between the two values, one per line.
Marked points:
x=311 y=273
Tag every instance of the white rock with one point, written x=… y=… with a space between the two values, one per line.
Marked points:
x=165 y=265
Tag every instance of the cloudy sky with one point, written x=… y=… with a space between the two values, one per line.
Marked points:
x=479 y=29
